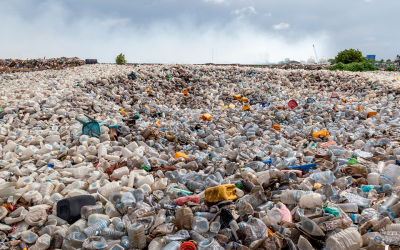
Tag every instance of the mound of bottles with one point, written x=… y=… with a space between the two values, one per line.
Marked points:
x=199 y=157
x=15 y=65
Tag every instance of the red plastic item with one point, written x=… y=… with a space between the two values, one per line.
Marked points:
x=292 y=104
x=187 y=246
x=183 y=200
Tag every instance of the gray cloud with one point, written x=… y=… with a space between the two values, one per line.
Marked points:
x=197 y=31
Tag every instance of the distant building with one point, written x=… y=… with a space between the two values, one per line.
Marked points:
x=292 y=62
x=370 y=57
x=397 y=61
x=323 y=60
x=311 y=60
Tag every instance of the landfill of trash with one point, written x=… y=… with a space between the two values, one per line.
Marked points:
x=17 y=65
x=180 y=157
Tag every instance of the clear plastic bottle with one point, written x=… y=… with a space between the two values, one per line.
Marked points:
x=111 y=233
x=393 y=199
x=256 y=225
x=360 y=201
x=348 y=207
x=181 y=235
x=125 y=242
x=389 y=174
x=324 y=177
x=118 y=224
x=96 y=228
x=173 y=245
x=347 y=239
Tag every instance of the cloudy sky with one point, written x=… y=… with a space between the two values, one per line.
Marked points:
x=198 y=31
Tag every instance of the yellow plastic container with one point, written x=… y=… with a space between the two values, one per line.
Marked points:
x=244 y=99
x=220 y=193
x=231 y=106
x=157 y=123
x=237 y=97
x=180 y=154
x=148 y=90
x=323 y=133
x=206 y=117
x=370 y=114
x=277 y=127
x=123 y=112
x=185 y=91
x=246 y=107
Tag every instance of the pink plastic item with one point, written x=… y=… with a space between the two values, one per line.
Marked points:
x=287 y=216
x=183 y=200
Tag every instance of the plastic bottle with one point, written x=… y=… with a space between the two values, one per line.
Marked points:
x=347 y=239
x=348 y=207
x=118 y=224
x=325 y=177
x=389 y=174
x=360 y=201
x=173 y=245
x=125 y=242
x=96 y=228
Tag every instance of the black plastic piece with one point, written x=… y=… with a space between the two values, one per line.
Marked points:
x=69 y=209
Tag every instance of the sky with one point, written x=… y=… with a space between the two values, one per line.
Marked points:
x=198 y=31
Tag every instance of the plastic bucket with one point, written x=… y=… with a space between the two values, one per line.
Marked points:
x=187 y=246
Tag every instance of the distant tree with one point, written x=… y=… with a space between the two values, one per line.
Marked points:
x=120 y=59
x=381 y=61
x=388 y=61
x=349 y=56
x=332 y=61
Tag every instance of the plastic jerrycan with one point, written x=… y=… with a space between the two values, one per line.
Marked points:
x=221 y=193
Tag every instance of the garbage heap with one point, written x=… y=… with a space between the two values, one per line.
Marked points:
x=199 y=157
x=15 y=65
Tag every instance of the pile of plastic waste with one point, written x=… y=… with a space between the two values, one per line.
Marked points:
x=199 y=157
x=15 y=65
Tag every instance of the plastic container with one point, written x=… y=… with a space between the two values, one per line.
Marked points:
x=220 y=193
x=136 y=236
